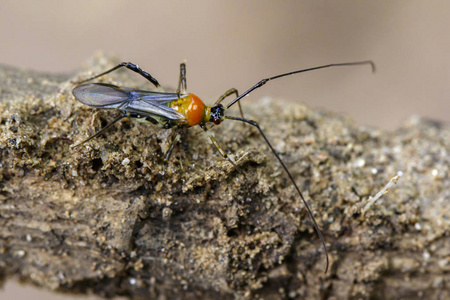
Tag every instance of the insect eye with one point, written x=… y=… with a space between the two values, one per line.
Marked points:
x=217 y=113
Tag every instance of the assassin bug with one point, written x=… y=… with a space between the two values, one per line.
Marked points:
x=181 y=109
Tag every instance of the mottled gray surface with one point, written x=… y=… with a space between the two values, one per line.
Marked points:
x=112 y=218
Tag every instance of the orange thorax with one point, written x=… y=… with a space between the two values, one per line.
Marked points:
x=192 y=107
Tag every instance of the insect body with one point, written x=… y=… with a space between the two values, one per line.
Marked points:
x=164 y=109
x=181 y=110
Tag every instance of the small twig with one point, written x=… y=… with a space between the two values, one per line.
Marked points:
x=383 y=191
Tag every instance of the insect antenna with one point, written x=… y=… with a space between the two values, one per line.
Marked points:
x=264 y=81
x=316 y=227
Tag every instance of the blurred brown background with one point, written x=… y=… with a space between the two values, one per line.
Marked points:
x=236 y=43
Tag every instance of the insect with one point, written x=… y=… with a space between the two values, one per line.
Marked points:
x=181 y=110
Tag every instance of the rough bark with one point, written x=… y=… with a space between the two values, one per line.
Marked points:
x=112 y=218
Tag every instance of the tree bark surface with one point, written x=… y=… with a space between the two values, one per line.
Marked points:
x=112 y=218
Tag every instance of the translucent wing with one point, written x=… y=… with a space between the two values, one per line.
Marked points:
x=141 y=102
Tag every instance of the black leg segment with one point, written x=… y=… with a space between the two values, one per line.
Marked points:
x=130 y=66
x=182 y=83
x=117 y=119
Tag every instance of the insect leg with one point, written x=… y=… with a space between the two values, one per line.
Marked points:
x=172 y=145
x=316 y=227
x=118 y=118
x=131 y=67
x=220 y=149
x=182 y=85
x=227 y=94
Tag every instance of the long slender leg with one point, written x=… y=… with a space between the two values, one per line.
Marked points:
x=118 y=118
x=316 y=227
x=130 y=66
x=172 y=145
x=220 y=149
x=229 y=93
x=182 y=84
